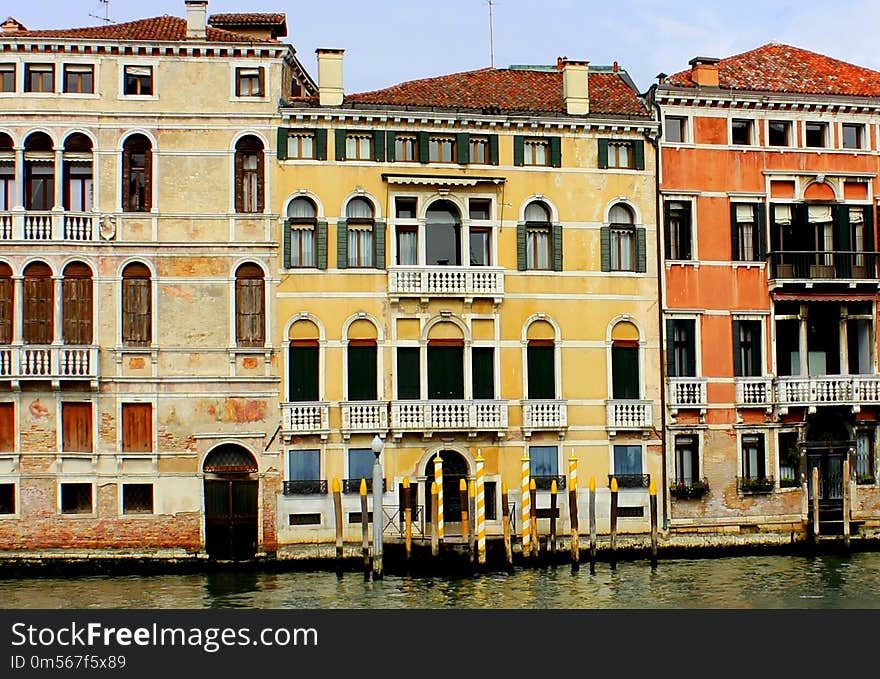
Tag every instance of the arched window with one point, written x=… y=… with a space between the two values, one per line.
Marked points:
x=8 y=197
x=7 y=298
x=38 y=303
x=541 y=361
x=76 y=304
x=137 y=327
x=357 y=234
x=39 y=172
x=77 y=173
x=361 y=357
x=443 y=234
x=623 y=238
x=250 y=306
x=535 y=238
x=625 y=379
x=249 y=175
x=303 y=362
x=137 y=174
x=301 y=227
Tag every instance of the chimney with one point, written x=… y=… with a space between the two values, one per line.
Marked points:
x=196 y=18
x=575 y=87
x=704 y=71
x=330 y=92
x=12 y=25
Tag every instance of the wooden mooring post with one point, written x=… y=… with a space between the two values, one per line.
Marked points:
x=846 y=508
x=652 y=497
x=551 y=546
x=533 y=518
x=337 y=514
x=407 y=519
x=505 y=521
x=592 y=524
x=613 y=522
x=573 y=512
x=365 y=528
x=435 y=521
x=816 y=503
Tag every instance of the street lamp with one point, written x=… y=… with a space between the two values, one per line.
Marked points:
x=377 y=445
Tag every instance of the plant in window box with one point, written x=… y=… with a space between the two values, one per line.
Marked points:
x=789 y=483
x=865 y=479
x=756 y=485
x=682 y=490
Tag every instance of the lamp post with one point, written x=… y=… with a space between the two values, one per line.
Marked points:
x=377 y=445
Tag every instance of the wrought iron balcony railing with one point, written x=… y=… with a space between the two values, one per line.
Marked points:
x=630 y=480
x=306 y=487
x=689 y=489
x=818 y=265
x=353 y=486
x=546 y=482
x=754 y=485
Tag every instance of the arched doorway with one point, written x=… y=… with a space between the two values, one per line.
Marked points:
x=828 y=442
x=231 y=505
x=455 y=468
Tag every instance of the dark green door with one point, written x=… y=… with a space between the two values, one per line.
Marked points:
x=445 y=372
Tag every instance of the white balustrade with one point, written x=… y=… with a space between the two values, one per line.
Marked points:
x=754 y=391
x=38 y=226
x=544 y=414
x=687 y=392
x=459 y=415
x=5 y=226
x=629 y=414
x=446 y=281
x=305 y=417
x=49 y=362
x=77 y=226
x=7 y=364
x=368 y=416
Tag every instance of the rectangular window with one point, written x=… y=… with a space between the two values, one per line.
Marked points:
x=137 y=498
x=816 y=135
x=249 y=82
x=865 y=456
x=483 y=372
x=753 y=462
x=687 y=460
x=138 y=80
x=76 y=498
x=78 y=190
x=627 y=460
x=360 y=466
x=480 y=208
x=137 y=427
x=79 y=79
x=7 y=186
x=747 y=349
x=779 y=133
x=681 y=347
x=441 y=150
x=789 y=459
x=360 y=244
x=853 y=136
x=445 y=371
x=7 y=498
x=540 y=356
x=362 y=384
x=303 y=367
x=7 y=427
x=678 y=230
x=741 y=132
x=676 y=128
x=304 y=465
x=39 y=181
x=620 y=154
x=747 y=232
x=480 y=247
x=405 y=207
x=407 y=245
x=537 y=246
x=359 y=146
x=302 y=246
x=536 y=152
x=301 y=145
x=479 y=150
x=625 y=382
x=408 y=373
x=7 y=77
x=76 y=427
x=39 y=78
x=623 y=248
x=406 y=147
x=543 y=465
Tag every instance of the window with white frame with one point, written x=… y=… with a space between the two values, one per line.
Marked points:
x=360 y=226
x=853 y=136
x=538 y=234
x=687 y=459
x=302 y=222
x=137 y=80
x=754 y=464
x=304 y=473
x=543 y=466
x=249 y=82
x=623 y=238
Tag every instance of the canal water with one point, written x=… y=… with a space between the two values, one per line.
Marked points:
x=822 y=581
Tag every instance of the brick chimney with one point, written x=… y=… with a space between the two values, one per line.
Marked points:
x=12 y=25
x=575 y=86
x=704 y=71
x=196 y=18
x=330 y=91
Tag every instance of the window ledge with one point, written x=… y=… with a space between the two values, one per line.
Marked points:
x=256 y=100
x=748 y=265
x=138 y=97
x=682 y=263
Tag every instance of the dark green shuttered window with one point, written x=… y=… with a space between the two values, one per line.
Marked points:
x=362 y=384
x=483 y=372
x=540 y=357
x=408 y=373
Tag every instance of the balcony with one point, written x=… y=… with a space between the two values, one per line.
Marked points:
x=544 y=415
x=55 y=363
x=754 y=392
x=628 y=415
x=368 y=417
x=446 y=281
x=48 y=226
x=353 y=486
x=428 y=417
x=305 y=418
x=812 y=391
x=310 y=487
x=546 y=482
x=814 y=266
x=630 y=480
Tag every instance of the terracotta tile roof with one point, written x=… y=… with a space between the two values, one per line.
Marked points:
x=157 y=29
x=519 y=90
x=247 y=18
x=776 y=67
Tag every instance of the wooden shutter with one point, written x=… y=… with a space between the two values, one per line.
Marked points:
x=39 y=309
x=424 y=147
x=408 y=373
x=303 y=371
x=76 y=310
x=641 y=251
x=148 y=179
x=493 y=149
x=691 y=349
x=555 y=151
x=320 y=144
x=605 y=255
x=126 y=178
x=463 y=147
x=341 y=243
x=281 y=145
x=541 y=370
x=285 y=235
x=239 y=181
x=670 y=348
x=667 y=231
x=379 y=146
x=483 y=372
x=76 y=427
x=519 y=150
x=250 y=307
x=7 y=426
x=339 y=143
x=639 y=154
x=556 y=246
x=603 y=154
x=521 y=259
x=137 y=427
x=445 y=370
x=390 y=149
x=362 y=382
x=321 y=244
x=379 y=244
x=238 y=82
x=734 y=234
x=775 y=235
x=7 y=297
x=136 y=311
x=869 y=230
x=737 y=350
x=760 y=232
x=262 y=81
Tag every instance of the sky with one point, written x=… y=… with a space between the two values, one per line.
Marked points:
x=392 y=41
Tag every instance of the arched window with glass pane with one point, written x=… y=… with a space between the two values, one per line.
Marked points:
x=301 y=227
x=77 y=174
x=137 y=174
x=358 y=235
x=443 y=234
x=249 y=175
x=623 y=238
x=8 y=195
x=39 y=172
x=538 y=233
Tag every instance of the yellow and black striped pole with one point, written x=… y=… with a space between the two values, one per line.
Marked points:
x=435 y=538
x=526 y=509
x=463 y=501
x=533 y=518
x=505 y=519
x=551 y=546
x=472 y=509
x=438 y=479
x=573 y=510
x=480 y=511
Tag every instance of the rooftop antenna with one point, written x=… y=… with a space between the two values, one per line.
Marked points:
x=491 y=4
x=106 y=16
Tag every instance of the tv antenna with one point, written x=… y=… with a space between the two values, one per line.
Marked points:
x=491 y=4
x=106 y=16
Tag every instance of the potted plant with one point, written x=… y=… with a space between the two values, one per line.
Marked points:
x=682 y=490
x=756 y=485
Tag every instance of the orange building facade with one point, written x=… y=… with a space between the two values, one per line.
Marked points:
x=767 y=189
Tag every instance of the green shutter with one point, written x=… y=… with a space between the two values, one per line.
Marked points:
x=760 y=233
x=303 y=373
x=483 y=372
x=556 y=245
x=734 y=234
x=321 y=245
x=624 y=372
x=670 y=351
x=424 y=148
x=339 y=144
x=362 y=373
x=463 y=147
x=691 y=357
x=641 y=251
x=639 y=154
x=555 y=151
x=667 y=236
x=605 y=255
x=603 y=153
x=389 y=146
x=541 y=373
x=737 y=350
x=774 y=229
x=869 y=229
x=519 y=151
x=281 y=149
x=321 y=144
x=445 y=372
x=841 y=240
x=379 y=244
x=521 y=246
x=379 y=146
x=285 y=237
x=493 y=149
x=408 y=373
x=342 y=244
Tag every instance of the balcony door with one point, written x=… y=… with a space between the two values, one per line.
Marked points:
x=443 y=234
x=445 y=370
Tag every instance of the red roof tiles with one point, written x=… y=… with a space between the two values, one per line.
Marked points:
x=247 y=18
x=513 y=89
x=782 y=68
x=157 y=29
